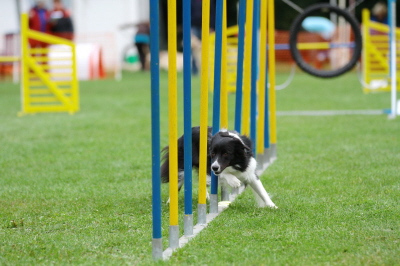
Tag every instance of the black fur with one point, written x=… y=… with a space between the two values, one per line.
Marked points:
x=195 y=154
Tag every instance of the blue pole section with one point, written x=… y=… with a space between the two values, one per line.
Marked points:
x=217 y=80
x=239 y=73
x=254 y=73
x=187 y=100
x=155 y=129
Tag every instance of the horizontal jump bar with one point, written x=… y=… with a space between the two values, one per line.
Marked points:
x=315 y=45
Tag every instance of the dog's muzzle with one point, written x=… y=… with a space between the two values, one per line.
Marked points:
x=216 y=168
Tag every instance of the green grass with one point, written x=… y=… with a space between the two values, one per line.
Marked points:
x=76 y=190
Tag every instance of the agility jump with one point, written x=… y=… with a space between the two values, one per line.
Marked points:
x=48 y=76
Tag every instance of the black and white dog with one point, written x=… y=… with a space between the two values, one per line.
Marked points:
x=230 y=157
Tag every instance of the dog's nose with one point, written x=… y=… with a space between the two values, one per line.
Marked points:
x=215 y=168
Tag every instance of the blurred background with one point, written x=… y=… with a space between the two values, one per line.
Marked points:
x=110 y=26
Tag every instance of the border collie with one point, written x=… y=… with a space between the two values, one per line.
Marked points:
x=230 y=158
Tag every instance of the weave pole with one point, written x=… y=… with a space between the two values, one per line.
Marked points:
x=202 y=205
x=254 y=74
x=217 y=95
x=271 y=71
x=155 y=130
x=173 y=127
x=272 y=94
x=263 y=85
x=247 y=69
x=239 y=68
x=187 y=103
x=224 y=88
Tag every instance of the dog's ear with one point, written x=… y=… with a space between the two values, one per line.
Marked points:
x=246 y=148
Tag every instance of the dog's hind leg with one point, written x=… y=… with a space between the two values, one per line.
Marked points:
x=262 y=197
x=181 y=179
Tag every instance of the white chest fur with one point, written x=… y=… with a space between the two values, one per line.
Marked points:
x=247 y=176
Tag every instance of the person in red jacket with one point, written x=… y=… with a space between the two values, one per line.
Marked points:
x=60 y=21
x=38 y=20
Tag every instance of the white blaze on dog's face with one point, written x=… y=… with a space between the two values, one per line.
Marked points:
x=227 y=149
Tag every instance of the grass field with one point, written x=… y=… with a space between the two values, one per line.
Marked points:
x=76 y=190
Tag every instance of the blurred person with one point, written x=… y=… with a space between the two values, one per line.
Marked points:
x=38 y=21
x=141 y=41
x=60 y=21
x=379 y=13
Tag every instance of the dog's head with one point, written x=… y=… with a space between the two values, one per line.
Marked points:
x=228 y=149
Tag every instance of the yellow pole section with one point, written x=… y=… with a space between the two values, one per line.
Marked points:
x=173 y=114
x=9 y=58
x=44 y=37
x=74 y=81
x=366 y=46
x=224 y=85
x=24 y=61
x=261 y=85
x=205 y=36
x=313 y=45
x=271 y=68
x=247 y=68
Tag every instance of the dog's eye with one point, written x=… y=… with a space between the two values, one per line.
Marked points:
x=212 y=155
x=226 y=154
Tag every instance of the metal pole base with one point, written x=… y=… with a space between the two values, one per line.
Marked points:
x=214 y=203
x=224 y=193
x=202 y=214
x=157 y=249
x=174 y=236
x=188 y=225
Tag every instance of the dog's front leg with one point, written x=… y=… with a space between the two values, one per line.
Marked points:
x=230 y=180
x=261 y=194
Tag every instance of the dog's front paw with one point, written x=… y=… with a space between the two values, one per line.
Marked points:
x=233 y=182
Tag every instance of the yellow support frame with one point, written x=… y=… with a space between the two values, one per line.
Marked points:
x=375 y=63
x=40 y=90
